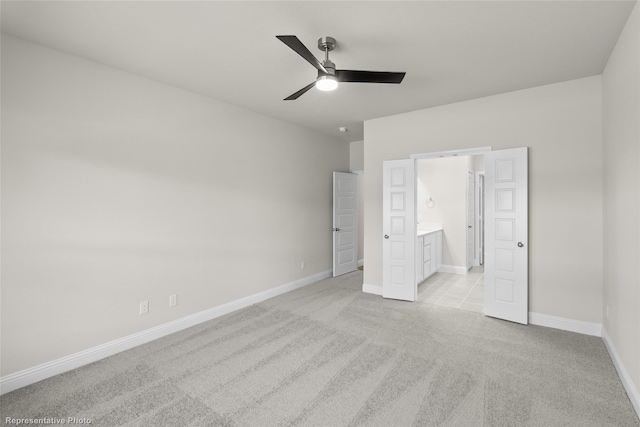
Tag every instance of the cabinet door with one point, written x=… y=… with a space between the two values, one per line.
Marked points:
x=427 y=259
x=438 y=250
x=419 y=263
x=427 y=269
x=426 y=256
x=434 y=252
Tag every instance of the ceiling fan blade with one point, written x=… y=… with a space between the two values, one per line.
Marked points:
x=294 y=43
x=356 y=76
x=300 y=92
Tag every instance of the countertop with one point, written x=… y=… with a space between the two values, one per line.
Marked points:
x=423 y=231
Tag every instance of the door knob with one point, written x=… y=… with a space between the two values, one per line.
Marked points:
x=520 y=244
x=386 y=236
x=336 y=229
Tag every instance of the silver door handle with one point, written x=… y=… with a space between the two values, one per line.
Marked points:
x=520 y=244
x=386 y=236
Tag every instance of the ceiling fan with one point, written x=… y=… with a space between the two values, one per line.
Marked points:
x=328 y=76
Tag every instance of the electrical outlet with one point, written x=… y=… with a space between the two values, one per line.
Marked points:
x=303 y=265
x=144 y=307
x=173 y=300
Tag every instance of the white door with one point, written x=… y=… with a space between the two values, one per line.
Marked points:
x=480 y=217
x=506 y=285
x=345 y=223
x=470 y=219
x=399 y=229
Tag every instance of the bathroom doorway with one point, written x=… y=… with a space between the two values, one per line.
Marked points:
x=506 y=282
x=448 y=194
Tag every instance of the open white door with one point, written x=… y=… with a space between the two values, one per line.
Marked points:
x=345 y=223
x=399 y=230
x=480 y=217
x=506 y=283
x=470 y=219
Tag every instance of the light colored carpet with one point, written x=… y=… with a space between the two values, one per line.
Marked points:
x=329 y=355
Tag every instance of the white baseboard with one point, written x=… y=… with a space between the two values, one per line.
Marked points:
x=454 y=269
x=579 y=326
x=32 y=375
x=632 y=391
x=360 y=262
x=371 y=289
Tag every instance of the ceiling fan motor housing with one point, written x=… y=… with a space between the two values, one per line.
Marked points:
x=326 y=43
x=329 y=66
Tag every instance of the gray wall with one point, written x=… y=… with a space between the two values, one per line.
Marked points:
x=118 y=189
x=621 y=108
x=561 y=125
x=356 y=164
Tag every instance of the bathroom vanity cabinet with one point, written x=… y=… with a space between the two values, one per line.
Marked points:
x=428 y=253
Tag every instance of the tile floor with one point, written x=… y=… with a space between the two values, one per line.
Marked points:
x=464 y=291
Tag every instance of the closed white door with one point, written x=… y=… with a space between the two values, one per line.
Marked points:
x=506 y=284
x=470 y=219
x=345 y=223
x=399 y=230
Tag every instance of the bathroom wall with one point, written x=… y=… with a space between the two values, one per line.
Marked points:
x=445 y=181
x=477 y=163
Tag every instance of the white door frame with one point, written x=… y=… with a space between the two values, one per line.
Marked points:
x=479 y=218
x=452 y=153
x=471 y=216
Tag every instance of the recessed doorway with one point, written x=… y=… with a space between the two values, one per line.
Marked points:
x=506 y=231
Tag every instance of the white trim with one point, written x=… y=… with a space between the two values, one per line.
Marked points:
x=360 y=262
x=372 y=289
x=40 y=372
x=476 y=216
x=470 y=189
x=579 y=326
x=452 y=153
x=632 y=391
x=454 y=269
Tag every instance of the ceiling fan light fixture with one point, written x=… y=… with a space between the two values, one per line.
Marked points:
x=328 y=75
x=327 y=83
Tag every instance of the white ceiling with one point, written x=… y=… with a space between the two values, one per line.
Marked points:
x=450 y=50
